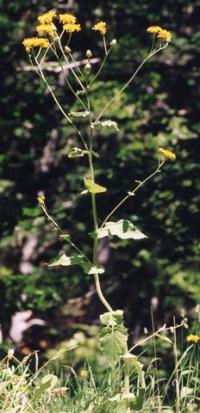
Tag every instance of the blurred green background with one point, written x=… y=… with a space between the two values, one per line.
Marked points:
x=159 y=109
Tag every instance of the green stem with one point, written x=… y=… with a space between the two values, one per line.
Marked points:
x=100 y=69
x=132 y=193
x=117 y=95
x=71 y=68
x=67 y=81
x=56 y=226
x=58 y=104
x=95 y=217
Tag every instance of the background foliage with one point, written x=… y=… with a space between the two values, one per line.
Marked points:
x=159 y=109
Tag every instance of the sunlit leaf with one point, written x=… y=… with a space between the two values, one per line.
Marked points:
x=76 y=153
x=93 y=187
x=113 y=336
x=112 y=318
x=79 y=114
x=66 y=261
x=186 y=391
x=113 y=341
x=123 y=229
x=96 y=270
x=106 y=124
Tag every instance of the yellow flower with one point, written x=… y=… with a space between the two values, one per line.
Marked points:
x=192 y=338
x=100 y=27
x=72 y=27
x=154 y=29
x=43 y=29
x=164 y=35
x=47 y=18
x=35 y=42
x=67 y=18
x=83 y=373
x=41 y=199
x=160 y=33
x=167 y=154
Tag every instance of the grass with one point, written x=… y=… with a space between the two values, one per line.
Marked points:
x=26 y=388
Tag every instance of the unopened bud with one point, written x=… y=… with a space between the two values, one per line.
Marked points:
x=88 y=68
x=88 y=54
x=67 y=49
x=113 y=42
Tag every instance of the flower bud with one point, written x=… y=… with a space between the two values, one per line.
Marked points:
x=67 y=49
x=88 y=54
x=87 y=68
x=113 y=42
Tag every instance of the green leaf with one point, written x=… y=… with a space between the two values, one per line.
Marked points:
x=163 y=338
x=76 y=153
x=186 y=391
x=47 y=383
x=137 y=404
x=113 y=341
x=106 y=124
x=113 y=336
x=74 y=260
x=112 y=318
x=123 y=229
x=96 y=270
x=79 y=114
x=92 y=187
x=64 y=236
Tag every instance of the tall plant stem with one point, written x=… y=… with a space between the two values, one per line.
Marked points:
x=95 y=217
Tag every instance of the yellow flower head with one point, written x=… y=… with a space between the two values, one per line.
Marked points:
x=41 y=199
x=164 y=35
x=35 y=42
x=167 y=154
x=72 y=27
x=160 y=33
x=49 y=29
x=100 y=27
x=83 y=373
x=192 y=338
x=67 y=18
x=47 y=18
x=154 y=29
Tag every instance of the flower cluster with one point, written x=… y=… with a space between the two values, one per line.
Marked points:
x=100 y=27
x=160 y=33
x=192 y=338
x=32 y=42
x=167 y=154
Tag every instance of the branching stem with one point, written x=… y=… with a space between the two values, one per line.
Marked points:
x=133 y=192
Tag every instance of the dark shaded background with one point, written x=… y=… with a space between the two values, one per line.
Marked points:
x=159 y=109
